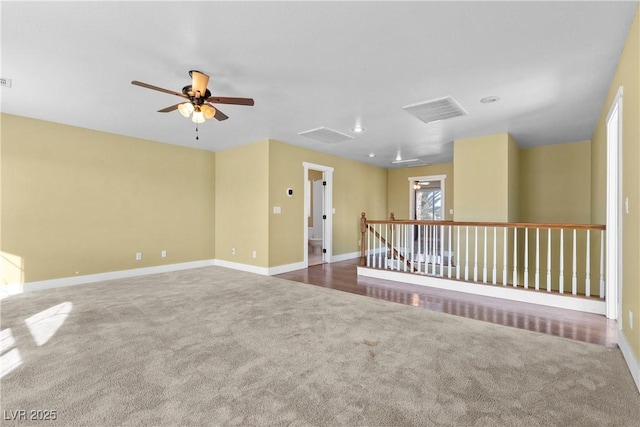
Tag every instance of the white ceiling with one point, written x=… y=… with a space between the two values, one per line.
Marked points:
x=318 y=64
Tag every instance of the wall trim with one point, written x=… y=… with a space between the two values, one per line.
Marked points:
x=345 y=257
x=264 y=271
x=21 y=288
x=630 y=358
x=279 y=269
x=496 y=291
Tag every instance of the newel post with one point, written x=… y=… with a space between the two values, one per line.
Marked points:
x=392 y=217
x=363 y=231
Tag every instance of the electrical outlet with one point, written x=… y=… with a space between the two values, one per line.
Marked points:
x=163 y=254
x=254 y=254
x=139 y=256
x=631 y=319
x=233 y=251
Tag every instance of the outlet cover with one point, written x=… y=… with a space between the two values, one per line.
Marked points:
x=163 y=254
x=139 y=256
x=254 y=254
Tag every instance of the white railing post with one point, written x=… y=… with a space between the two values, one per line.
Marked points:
x=403 y=234
x=504 y=257
x=548 y=260
x=484 y=257
x=449 y=227
x=602 y=264
x=368 y=246
x=537 y=276
x=495 y=260
x=458 y=253
x=475 y=254
x=587 y=277
x=441 y=239
x=561 y=283
x=466 y=254
x=515 y=257
x=526 y=258
x=574 y=272
x=419 y=250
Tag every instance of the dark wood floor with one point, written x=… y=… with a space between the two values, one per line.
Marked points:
x=591 y=328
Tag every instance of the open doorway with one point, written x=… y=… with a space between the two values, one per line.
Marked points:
x=318 y=211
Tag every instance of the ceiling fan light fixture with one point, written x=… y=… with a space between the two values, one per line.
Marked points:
x=198 y=117
x=186 y=109
x=208 y=111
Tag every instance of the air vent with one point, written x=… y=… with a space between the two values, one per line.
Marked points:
x=436 y=109
x=326 y=135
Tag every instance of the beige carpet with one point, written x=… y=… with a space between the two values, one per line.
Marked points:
x=213 y=346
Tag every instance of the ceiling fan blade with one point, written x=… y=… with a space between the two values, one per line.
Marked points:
x=169 y=109
x=199 y=82
x=159 y=89
x=227 y=100
x=220 y=116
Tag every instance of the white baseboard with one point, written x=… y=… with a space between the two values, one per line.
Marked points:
x=264 y=271
x=496 y=291
x=630 y=358
x=345 y=257
x=279 y=269
x=20 y=288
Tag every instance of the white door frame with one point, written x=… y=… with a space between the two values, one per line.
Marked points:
x=327 y=239
x=412 y=193
x=613 y=291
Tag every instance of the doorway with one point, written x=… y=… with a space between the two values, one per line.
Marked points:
x=318 y=214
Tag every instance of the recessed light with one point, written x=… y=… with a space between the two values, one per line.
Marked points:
x=489 y=99
x=358 y=129
x=372 y=154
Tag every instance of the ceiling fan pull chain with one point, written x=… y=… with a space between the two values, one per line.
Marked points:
x=197 y=138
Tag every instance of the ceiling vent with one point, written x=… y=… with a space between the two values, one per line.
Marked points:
x=326 y=135
x=436 y=109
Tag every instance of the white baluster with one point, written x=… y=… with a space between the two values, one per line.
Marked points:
x=405 y=254
x=495 y=260
x=548 y=260
x=449 y=227
x=434 y=250
x=602 y=264
x=458 y=253
x=386 y=239
x=466 y=254
x=515 y=257
x=526 y=258
x=441 y=240
x=537 y=259
x=419 y=250
x=475 y=254
x=574 y=273
x=484 y=258
x=504 y=257
x=368 y=247
x=561 y=278
x=587 y=277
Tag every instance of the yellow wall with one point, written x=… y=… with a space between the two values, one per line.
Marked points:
x=357 y=187
x=77 y=201
x=481 y=172
x=628 y=76
x=398 y=188
x=242 y=204
x=513 y=177
x=556 y=183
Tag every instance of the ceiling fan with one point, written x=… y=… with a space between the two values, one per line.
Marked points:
x=198 y=99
